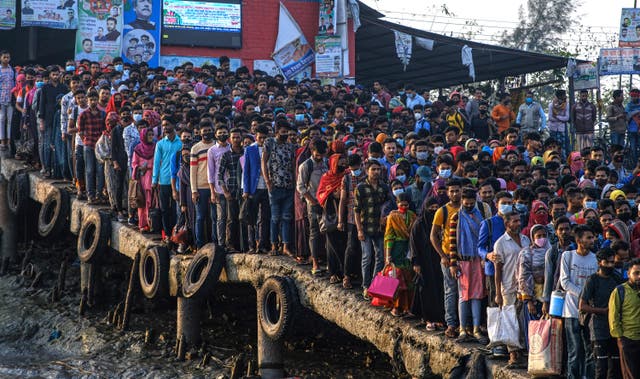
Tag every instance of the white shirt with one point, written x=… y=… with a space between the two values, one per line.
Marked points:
x=507 y=251
x=574 y=271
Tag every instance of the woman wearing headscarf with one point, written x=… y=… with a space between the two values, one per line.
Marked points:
x=115 y=103
x=439 y=192
x=428 y=302
x=575 y=163
x=530 y=275
x=142 y=165
x=539 y=215
x=396 y=248
x=153 y=118
x=606 y=190
x=328 y=196
x=616 y=231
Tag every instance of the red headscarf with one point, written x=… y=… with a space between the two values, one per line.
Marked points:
x=111 y=116
x=152 y=117
x=330 y=180
x=534 y=218
x=144 y=149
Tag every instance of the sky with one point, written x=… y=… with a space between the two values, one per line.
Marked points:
x=494 y=16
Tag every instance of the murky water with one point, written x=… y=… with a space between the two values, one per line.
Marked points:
x=41 y=339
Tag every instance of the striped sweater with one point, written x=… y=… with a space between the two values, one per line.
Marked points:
x=198 y=163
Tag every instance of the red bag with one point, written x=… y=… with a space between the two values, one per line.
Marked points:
x=545 y=347
x=384 y=287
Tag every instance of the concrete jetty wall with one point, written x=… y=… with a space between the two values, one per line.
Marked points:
x=421 y=353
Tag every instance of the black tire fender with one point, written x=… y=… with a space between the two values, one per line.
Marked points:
x=93 y=238
x=54 y=213
x=153 y=272
x=276 y=306
x=18 y=192
x=203 y=272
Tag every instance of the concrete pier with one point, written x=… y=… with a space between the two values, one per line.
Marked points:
x=421 y=353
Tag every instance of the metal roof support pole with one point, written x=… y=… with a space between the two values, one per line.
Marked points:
x=570 y=129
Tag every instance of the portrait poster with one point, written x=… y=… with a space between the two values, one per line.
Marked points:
x=141 y=32
x=327 y=21
x=629 y=28
x=99 y=36
x=7 y=14
x=55 y=14
x=328 y=57
x=619 y=61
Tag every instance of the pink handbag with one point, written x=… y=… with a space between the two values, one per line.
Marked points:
x=384 y=287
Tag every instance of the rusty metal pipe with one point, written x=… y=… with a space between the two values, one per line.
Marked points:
x=188 y=317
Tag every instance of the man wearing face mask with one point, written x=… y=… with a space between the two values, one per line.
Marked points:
x=413 y=98
x=552 y=257
x=229 y=180
x=584 y=118
x=502 y=114
x=200 y=191
x=444 y=165
x=166 y=150
x=531 y=116
x=46 y=112
x=558 y=117
x=483 y=126
x=421 y=121
x=594 y=301
x=624 y=321
x=214 y=156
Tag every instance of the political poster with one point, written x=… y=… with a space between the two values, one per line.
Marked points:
x=585 y=76
x=292 y=52
x=328 y=57
x=171 y=61
x=7 y=14
x=99 y=36
x=327 y=20
x=55 y=14
x=271 y=68
x=619 y=61
x=629 y=28
x=141 y=32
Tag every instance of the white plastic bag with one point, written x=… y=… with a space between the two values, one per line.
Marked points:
x=503 y=328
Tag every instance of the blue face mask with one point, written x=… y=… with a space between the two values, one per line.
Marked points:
x=422 y=155
x=119 y=67
x=505 y=208
x=137 y=117
x=218 y=92
x=522 y=208
x=591 y=204
x=529 y=100
x=632 y=204
x=70 y=68
x=308 y=104
x=445 y=174
x=162 y=88
x=171 y=79
x=401 y=178
x=324 y=130
x=150 y=76
x=400 y=141
x=117 y=81
x=299 y=117
x=398 y=192
x=357 y=172
x=400 y=93
x=350 y=128
x=39 y=84
x=236 y=98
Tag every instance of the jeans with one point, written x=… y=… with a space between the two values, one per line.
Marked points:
x=205 y=215
x=259 y=232
x=80 y=184
x=167 y=208
x=45 y=148
x=450 y=297
x=6 y=117
x=607 y=359
x=94 y=173
x=221 y=221
x=580 y=362
x=473 y=306
x=63 y=154
x=370 y=245
x=281 y=200
x=314 y=214
x=632 y=139
x=617 y=139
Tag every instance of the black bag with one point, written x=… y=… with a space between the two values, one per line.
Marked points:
x=155 y=215
x=329 y=220
x=25 y=147
x=248 y=211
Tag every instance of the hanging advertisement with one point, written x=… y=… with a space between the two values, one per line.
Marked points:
x=171 y=61
x=56 y=14
x=7 y=14
x=327 y=20
x=292 y=52
x=328 y=57
x=141 y=32
x=619 y=61
x=585 y=76
x=629 y=28
x=99 y=36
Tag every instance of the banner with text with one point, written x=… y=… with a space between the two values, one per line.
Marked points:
x=585 y=76
x=62 y=14
x=7 y=14
x=619 y=61
x=629 y=28
x=99 y=36
x=328 y=57
x=141 y=39
x=292 y=52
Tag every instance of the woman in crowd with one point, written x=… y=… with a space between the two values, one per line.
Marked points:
x=142 y=165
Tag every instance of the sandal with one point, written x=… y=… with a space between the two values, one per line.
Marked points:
x=334 y=279
x=317 y=271
x=302 y=261
x=346 y=283
x=451 y=332
x=395 y=313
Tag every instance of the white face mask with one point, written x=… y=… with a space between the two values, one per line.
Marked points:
x=437 y=150
x=417 y=116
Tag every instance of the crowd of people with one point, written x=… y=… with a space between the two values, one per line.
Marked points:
x=469 y=202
